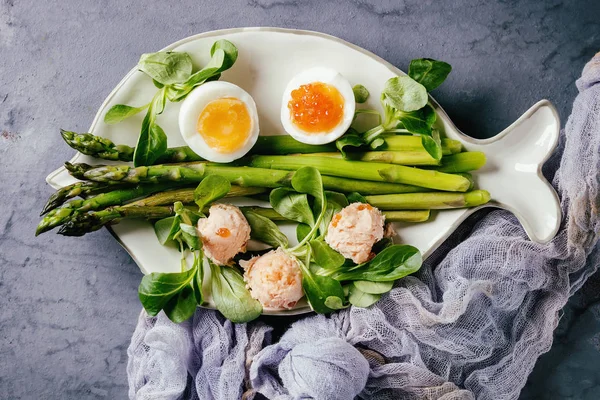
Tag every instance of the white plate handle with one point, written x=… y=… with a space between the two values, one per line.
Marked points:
x=513 y=172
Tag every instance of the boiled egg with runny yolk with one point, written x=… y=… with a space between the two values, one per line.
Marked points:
x=219 y=122
x=318 y=106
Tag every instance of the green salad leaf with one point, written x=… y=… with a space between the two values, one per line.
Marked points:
x=429 y=72
x=230 y=295
x=322 y=291
x=417 y=122
x=182 y=306
x=292 y=205
x=120 y=112
x=325 y=256
x=358 y=298
x=432 y=145
x=264 y=230
x=152 y=142
x=308 y=180
x=404 y=93
x=210 y=189
x=166 y=229
x=356 y=197
x=350 y=141
x=199 y=278
x=361 y=94
x=186 y=215
x=223 y=56
x=302 y=231
x=374 y=287
x=394 y=262
x=190 y=236
x=166 y=67
x=157 y=289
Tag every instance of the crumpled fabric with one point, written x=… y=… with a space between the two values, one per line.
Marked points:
x=206 y=357
x=469 y=325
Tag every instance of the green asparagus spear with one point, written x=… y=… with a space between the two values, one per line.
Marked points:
x=81 y=189
x=103 y=148
x=184 y=173
x=368 y=171
x=426 y=201
x=242 y=176
x=414 y=143
x=159 y=194
x=100 y=147
x=84 y=223
x=60 y=215
x=285 y=144
x=414 y=157
x=406 y=216
x=462 y=162
x=390 y=216
x=80 y=224
x=186 y=195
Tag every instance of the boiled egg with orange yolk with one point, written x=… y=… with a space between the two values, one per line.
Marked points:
x=318 y=106
x=219 y=122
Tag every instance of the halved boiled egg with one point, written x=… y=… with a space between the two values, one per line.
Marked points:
x=318 y=106
x=219 y=122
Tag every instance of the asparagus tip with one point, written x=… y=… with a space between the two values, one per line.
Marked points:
x=477 y=198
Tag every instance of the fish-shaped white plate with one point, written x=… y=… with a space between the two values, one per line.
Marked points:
x=268 y=59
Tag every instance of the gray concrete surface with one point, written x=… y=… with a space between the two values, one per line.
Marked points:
x=68 y=306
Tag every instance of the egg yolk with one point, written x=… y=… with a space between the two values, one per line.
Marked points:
x=316 y=107
x=225 y=124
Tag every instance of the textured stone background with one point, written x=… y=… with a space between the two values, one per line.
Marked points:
x=68 y=306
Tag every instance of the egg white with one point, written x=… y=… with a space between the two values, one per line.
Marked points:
x=193 y=105
x=330 y=77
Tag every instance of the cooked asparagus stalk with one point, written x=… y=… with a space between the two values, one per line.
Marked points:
x=426 y=201
x=406 y=216
x=97 y=146
x=61 y=215
x=368 y=171
x=242 y=176
x=390 y=216
x=84 y=223
x=103 y=148
x=80 y=224
x=100 y=147
x=160 y=195
x=413 y=143
x=462 y=162
x=413 y=157
x=184 y=173
x=81 y=189
x=186 y=195
x=285 y=144
x=348 y=185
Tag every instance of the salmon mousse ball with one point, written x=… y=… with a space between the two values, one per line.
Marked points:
x=274 y=279
x=224 y=233
x=354 y=230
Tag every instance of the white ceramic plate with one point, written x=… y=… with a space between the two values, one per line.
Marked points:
x=268 y=58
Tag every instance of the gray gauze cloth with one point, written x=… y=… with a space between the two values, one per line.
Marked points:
x=471 y=324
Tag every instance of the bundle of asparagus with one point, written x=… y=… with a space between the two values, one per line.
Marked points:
x=388 y=179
